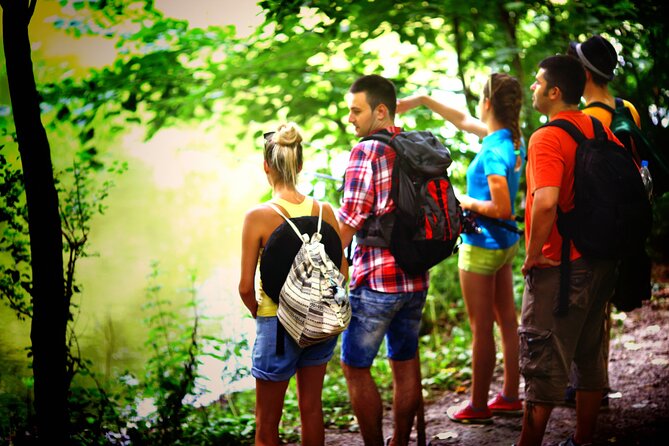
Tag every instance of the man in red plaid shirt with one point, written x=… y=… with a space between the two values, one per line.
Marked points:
x=386 y=301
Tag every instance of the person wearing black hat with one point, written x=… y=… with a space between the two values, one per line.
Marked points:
x=599 y=59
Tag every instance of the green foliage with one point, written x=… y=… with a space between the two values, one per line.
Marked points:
x=446 y=342
x=170 y=373
x=299 y=64
x=444 y=306
x=82 y=188
x=16 y=408
x=157 y=406
x=16 y=277
x=82 y=191
x=449 y=365
x=86 y=17
x=163 y=76
x=337 y=410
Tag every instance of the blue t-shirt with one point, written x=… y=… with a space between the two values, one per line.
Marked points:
x=496 y=157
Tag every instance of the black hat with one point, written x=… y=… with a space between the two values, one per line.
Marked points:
x=597 y=55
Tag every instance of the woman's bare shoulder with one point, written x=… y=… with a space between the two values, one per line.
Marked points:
x=261 y=210
x=262 y=220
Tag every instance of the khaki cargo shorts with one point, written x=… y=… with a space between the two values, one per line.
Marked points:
x=550 y=346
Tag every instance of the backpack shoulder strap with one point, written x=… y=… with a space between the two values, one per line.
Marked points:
x=288 y=220
x=626 y=112
x=574 y=132
x=619 y=103
x=598 y=127
x=292 y=225
x=606 y=107
x=320 y=216
x=383 y=136
x=501 y=224
x=568 y=127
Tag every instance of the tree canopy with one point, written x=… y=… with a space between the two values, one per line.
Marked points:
x=300 y=61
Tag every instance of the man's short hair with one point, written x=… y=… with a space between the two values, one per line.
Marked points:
x=378 y=90
x=566 y=73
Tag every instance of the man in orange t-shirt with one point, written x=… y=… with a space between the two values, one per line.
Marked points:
x=550 y=345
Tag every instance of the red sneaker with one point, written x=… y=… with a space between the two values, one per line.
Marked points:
x=468 y=415
x=500 y=405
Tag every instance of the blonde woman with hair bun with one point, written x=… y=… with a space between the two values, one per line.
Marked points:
x=272 y=370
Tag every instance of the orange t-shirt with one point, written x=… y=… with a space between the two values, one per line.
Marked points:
x=551 y=154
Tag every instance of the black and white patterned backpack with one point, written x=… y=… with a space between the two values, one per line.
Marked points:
x=313 y=303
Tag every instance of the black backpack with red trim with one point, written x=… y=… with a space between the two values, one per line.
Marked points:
x=424 y=227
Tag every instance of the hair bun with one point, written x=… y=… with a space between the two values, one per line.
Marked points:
x=288 y=135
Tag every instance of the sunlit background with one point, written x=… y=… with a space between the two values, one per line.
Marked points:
x=180 y=203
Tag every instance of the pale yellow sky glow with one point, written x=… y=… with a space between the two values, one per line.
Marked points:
x=244 y=14
x=98 y=52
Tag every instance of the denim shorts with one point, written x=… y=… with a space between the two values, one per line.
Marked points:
x=266 y=365
x=395 y=316
x=475 y=259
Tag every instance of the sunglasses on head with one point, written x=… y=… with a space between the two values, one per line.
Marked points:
x=268 y=135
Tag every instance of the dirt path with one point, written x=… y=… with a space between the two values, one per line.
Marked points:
x=639 y=405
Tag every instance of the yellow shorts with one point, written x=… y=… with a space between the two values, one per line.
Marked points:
x=475 y=259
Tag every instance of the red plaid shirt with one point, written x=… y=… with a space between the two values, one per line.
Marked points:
x=367 y=192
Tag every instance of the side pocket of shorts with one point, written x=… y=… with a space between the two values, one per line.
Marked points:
x=529 y=282
x=579 y=283
x=535 y=351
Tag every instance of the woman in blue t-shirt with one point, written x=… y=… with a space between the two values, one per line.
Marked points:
x=485 y=257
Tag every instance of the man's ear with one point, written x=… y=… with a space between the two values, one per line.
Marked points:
x=555 y=93
x=588 y=75
x=381 y=112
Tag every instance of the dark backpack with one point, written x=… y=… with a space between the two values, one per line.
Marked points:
x=282 y=247
x=612 y=216
x=635 y=141
x=424 y=228
x=279 y=253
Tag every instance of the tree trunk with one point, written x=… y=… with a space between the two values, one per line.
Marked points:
x=50 y=306
x=510 y=25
